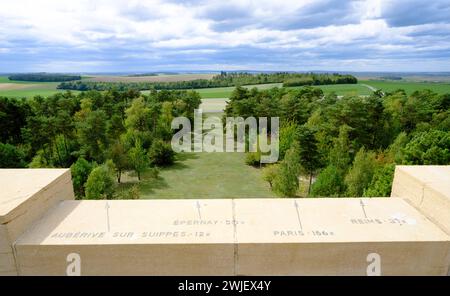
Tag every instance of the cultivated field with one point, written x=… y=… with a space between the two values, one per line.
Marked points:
x=30 y=89
x=225 y=92
x=360 y=89
x=154 y=78
x=339 y=89
x=27 y=89
x=408 y=86
x=15 y=86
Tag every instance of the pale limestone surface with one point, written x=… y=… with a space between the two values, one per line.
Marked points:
x=19 y=185
x=168 y=221
x=344 y=219
x=25 y=196
x=245 y=236
x=225 y=237
x=5 y=242
x=29 y=193
x=334 y=237
x=154 y=237
x=428 y=189
x=7 y=263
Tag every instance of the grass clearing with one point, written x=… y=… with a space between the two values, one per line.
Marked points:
x=205 y=175
x=346 y=89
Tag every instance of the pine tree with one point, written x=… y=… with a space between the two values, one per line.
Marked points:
x=286 y=181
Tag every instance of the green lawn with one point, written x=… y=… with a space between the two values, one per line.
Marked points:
x=408 y=86
x=205 y=175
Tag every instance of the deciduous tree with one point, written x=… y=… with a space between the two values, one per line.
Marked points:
x=100 y=183
x=138 y=158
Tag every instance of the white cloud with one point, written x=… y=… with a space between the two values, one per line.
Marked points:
x=156 y=29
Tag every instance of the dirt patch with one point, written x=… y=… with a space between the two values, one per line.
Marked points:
x=15 y=86
x=158 y=78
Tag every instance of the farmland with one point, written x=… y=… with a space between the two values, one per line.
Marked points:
x=27 y=89
x=342 y=89
x=30 y=89
x=408 y=86
x=225 y=92
x=339 y=89
x=151 y=78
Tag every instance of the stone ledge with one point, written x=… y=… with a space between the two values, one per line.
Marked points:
x=228 y=237
x=330 y=236
x=427 y=188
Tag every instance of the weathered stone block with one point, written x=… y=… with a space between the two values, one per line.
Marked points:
x=336 y=236
x=428 y=189
x=146 y=237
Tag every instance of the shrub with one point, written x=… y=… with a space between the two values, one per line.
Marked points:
x=134 y=192
x=253 y=158
x=269 y=173
x=161 y=153
x=153 y=172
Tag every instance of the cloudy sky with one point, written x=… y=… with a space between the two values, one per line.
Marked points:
x=169 y=35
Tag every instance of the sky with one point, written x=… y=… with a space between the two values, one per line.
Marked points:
x=272 y=35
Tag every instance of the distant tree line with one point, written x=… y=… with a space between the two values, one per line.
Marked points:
x=99 y=135
x=43 y=77
x=346 y=146
x=222 y=80
x=391 y=78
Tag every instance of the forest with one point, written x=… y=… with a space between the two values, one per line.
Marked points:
x=43 y=77
x=339 y=146
x=348 y=146
x=99 y=135
x=224 y=79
